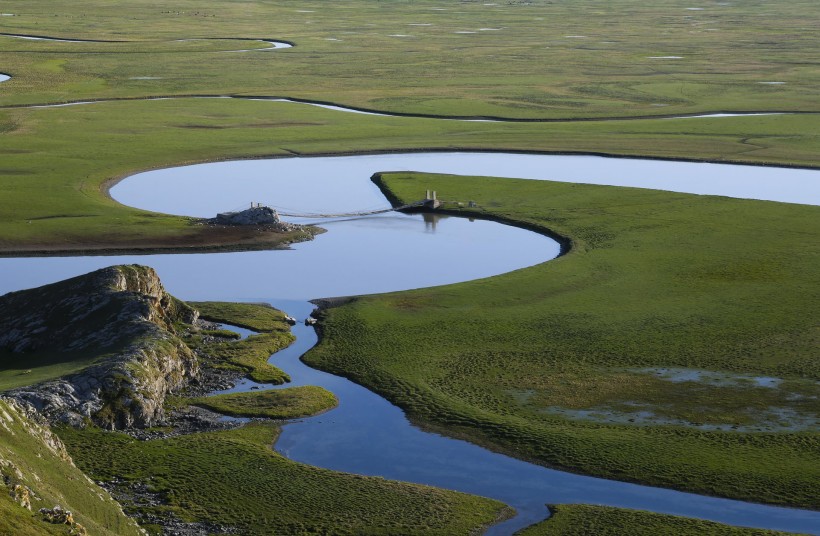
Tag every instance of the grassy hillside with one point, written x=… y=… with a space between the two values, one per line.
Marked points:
x=673 y=345
x=29 y=456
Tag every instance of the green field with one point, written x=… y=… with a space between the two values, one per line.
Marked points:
x=288 y=403
x=235 y=479
x=55 y=161
x=559 y=363
x=248 y=356
x=538 y=59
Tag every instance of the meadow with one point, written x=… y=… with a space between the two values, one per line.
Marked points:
x=537 y=59
x=559 y=363
x=235 y=479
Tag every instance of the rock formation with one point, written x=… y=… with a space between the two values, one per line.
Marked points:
x=259 y=216
x=123 y=317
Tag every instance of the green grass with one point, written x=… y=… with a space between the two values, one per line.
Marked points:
x=251 y=354
x=583 y=519
x=259 y=317
x=55 y=161
x=288 y=403
x=653 y=279
x=54 y=480
x=568 y=59
x=234 y=478
x=18 y=370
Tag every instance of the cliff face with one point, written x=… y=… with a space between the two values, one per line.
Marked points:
x=121 y=316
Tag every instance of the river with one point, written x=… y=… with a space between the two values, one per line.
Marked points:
x=393 y=252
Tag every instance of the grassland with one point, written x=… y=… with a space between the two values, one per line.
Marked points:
x=583 y=519
x=56 y=161
x=539 y=59
x=653 y=280
x=234 y=478
x=543 y=347
x=288 y=403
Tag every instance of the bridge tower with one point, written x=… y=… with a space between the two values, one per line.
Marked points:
x=431 y=200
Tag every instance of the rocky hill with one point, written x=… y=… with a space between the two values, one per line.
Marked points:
x=124 y=325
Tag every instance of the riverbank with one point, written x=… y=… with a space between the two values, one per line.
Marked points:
x=575 y=363
x=158 y=473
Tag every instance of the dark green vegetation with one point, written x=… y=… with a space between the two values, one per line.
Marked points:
x=27 y=460
x=584 y=519
x=250 y=355
x=273 y=404
x=562 y=58
x=653 y=279
x=234 y=478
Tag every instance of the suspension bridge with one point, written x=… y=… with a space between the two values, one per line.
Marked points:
x=430 y=201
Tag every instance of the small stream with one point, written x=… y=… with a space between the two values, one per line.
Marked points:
x=373 y=437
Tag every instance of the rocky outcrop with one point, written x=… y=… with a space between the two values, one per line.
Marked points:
x=258 y=216
x=123 y=317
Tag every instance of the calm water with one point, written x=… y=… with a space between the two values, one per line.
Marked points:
x=4 y=77
x=292 y=182
x=373 y=437
x=356 y=256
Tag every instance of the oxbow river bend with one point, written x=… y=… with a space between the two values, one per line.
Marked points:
x=393 y=252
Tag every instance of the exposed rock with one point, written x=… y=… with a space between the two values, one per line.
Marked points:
x=58 y=516
x=259 y=216
x=121 y=314
x=21 y=495
x=35 y=425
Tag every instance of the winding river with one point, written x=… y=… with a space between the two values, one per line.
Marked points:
x=397 y=251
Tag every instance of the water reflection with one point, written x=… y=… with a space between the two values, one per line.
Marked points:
x=431 y=221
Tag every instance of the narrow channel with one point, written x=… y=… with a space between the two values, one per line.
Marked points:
x=373 y=437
